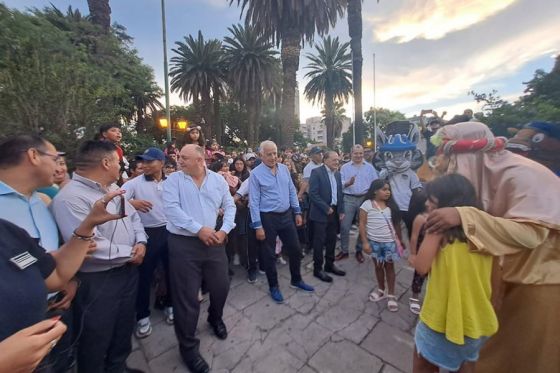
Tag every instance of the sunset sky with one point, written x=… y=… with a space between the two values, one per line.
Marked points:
x=429 y=53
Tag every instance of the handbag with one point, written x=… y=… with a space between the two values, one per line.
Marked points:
x=400 y=248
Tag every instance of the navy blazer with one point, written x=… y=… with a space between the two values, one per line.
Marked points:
x=320 y=194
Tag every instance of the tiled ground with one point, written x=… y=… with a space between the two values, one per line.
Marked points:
x=334 y=330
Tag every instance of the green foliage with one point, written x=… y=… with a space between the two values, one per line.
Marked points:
x=62 y=76
x=540 y=102
x=383 y=116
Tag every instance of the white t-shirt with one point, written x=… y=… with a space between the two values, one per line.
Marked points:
x=308 y=168
x=377 y=228
x=402 y=185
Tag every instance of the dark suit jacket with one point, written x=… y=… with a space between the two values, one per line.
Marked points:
x=320 y=194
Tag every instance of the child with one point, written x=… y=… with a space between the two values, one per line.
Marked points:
x=419 y=215
x=457 y=316
x=379 y=215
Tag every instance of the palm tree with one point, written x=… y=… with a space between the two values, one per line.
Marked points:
x=330 y=79
x=100 y=13
x=251 y=62
x=197 y=74
x=355 y=31
x=146 y=101
x=289 y=23
x=339 y=116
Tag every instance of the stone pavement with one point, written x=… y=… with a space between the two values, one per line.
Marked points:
x=336 y=329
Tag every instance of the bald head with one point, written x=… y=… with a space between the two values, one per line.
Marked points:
x=191 y=160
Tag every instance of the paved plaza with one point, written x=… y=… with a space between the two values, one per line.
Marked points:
x=336 y=329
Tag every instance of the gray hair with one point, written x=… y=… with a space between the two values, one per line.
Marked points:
x=267 y=144
x=328 y=154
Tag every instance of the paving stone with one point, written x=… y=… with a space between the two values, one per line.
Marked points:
x=344 y=356
x=245 y=295
x=266 y=314
x=390 y=369
x=161 y=340
x=137 y=360
x=339 y=316
x=391 y=345
x=169 y=361
x=359 y=329
x=227 y=353
x=402 y=319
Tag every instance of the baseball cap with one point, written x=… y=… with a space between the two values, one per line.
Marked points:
x=315 y=150
x=151 y=154
x=249 y=156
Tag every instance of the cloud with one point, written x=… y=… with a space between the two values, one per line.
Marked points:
x=433 y=19
x=446 y=80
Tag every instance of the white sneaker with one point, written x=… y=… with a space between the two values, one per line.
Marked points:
x=281 y=260
x=169 y=318
x=143 y=328
x=236 y=260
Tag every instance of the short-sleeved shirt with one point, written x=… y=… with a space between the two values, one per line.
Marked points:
x=402 y=185
x=308 y=168
x=147 y=188
x=22 y=290
x=377 y=224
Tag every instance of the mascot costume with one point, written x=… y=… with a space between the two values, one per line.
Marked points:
x=396 y=160
x=539 y=141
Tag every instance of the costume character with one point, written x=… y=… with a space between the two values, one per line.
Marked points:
x=396 y=160
x=539 y=141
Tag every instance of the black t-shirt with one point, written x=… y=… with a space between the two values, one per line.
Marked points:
x=24 y=265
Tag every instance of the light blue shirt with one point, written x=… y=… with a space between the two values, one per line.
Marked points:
x=30 y=214
x=148 y=189
x=271 y=193
x=365 y=175
x=189 y=208
x=334 y=189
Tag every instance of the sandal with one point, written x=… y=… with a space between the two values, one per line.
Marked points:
x=392 y=304
x=414 y=306
x=377 y=295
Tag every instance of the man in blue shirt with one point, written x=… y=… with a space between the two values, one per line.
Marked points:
x=192 y=200
x=273 y=202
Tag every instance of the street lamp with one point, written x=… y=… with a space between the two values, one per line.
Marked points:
x=163 y=123
x=182 y=124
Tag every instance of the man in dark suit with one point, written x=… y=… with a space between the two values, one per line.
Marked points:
x=325 y=212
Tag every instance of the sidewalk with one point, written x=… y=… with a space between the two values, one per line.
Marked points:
x=334 y=330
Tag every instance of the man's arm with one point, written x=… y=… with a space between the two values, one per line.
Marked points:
x=229 y=209
x=172 y=207
x=294 y=201
x=255 y=201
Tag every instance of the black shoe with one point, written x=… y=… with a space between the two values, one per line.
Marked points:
x=197 y=364
x=335 y=270
x=322 y=276
x=219 y=328
x=132 y=370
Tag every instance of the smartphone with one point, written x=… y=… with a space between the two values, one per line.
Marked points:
x=122 y=210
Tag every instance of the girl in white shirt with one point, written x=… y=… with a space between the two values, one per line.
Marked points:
x=379 y=232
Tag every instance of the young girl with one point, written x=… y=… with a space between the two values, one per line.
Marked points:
x=419 y=214
x=194 y=135
x=457 y=316
x=379 y=216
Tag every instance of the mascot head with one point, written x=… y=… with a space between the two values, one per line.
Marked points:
x=397 y=147
x=539 y=141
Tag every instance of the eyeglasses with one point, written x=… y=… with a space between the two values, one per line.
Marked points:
x=55 y=157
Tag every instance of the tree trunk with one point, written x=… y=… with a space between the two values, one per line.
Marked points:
x=100 y=13
x=206 y=115
x=355 y=31
x=329 y=119
x=218 y=127
x=291 y=48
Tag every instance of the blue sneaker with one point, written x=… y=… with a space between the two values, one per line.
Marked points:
x=302 y=286
x=276 y=295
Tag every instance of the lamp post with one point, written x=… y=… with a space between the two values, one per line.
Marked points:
x=374 y=107
x=165 y=72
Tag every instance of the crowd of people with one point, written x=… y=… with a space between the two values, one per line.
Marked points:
x=182 y=218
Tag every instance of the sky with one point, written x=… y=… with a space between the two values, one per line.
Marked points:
x=428 y=53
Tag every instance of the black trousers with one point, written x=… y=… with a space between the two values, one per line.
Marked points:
x=156 y=251
x=324 y=236
x=283 y=226
x=191 y=262
x=254 y=251
x=105 y=307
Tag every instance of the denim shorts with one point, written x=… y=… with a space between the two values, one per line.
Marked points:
x=384 y=251
x=438 y=350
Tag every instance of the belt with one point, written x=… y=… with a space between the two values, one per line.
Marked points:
x=274 y=212
x=355 y=195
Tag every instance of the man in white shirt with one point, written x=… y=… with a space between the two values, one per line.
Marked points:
x=357 y=177
x=144 y=192
x=192 y=199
